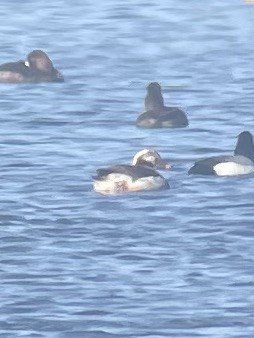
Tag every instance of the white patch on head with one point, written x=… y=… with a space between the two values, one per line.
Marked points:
x=150 y=158
x=233 y=169
x=27 y=64
x=141 y=153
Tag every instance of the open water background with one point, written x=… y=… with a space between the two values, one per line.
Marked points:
x=176 y=263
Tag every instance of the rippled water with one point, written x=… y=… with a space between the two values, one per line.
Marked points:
x=176 y=263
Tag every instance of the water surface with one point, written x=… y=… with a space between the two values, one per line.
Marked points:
x=177 y=263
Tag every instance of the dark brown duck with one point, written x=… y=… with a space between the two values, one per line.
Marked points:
x=36 y=68
x=157 y=115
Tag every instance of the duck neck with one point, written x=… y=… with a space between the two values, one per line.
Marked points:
x=154 y=100
x=246 y=149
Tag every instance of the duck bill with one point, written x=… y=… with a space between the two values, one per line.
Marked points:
x=163 y=165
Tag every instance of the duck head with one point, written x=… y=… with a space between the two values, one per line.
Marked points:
x=40 y=65
x=150 y=158
x=39 y=60
x=245 y=145
x=154 y=99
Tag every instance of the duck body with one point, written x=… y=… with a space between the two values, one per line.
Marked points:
x=241 y=163
x=223 y=166
x=165 y=117
x=13 y=72
x=35 y=69
x=129 y=178
x=157 y=115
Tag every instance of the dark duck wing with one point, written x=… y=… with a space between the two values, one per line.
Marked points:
x=15 y=67
x=173 y=117
x=13 y=72
x=166 y=117
x=135 y=172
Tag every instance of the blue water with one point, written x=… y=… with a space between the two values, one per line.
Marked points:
x=176 y=263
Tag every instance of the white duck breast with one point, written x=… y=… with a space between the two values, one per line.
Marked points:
x=241 y=166
x=112 y=184
x=119 y=183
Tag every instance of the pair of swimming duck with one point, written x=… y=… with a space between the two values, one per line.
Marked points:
x=142 y=174
x=37 y=67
